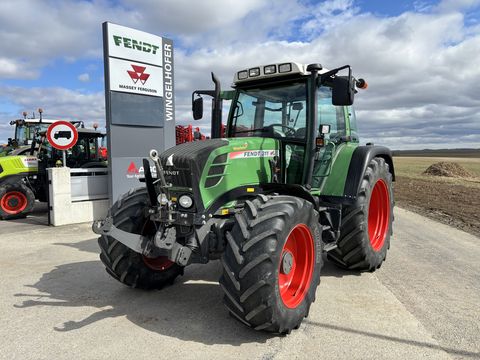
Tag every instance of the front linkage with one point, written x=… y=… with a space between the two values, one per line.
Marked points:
x=171 y=225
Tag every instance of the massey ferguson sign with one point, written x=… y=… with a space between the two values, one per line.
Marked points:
x=134 y=77
x=139 y=101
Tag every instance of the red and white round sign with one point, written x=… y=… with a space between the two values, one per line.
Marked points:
x=62 y=135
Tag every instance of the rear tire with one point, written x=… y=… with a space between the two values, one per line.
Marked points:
x=126 y=265
x=367 y=225
x=261 y=289
x=16 y=201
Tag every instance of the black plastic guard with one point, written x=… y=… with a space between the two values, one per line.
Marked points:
x=360 y=159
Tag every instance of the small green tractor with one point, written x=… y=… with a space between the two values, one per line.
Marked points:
x=23 y=178
x=289 y=182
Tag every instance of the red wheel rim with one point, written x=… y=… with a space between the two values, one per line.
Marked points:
x=378 y=215
x=296 y=266
x=13 y=202
x=160 y=263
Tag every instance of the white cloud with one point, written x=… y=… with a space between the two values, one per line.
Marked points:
x=183 y=17
x=57 y=103
x=85 y=77
x=421 y=65
x=15 y=69
x=456 y=5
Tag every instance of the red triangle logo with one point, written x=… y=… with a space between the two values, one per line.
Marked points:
x=132 y=168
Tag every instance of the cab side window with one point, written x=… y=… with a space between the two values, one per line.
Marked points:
x=329 y=114
x=353 y=124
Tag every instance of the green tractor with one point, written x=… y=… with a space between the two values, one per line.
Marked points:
x=288 y=183
x=23 y=178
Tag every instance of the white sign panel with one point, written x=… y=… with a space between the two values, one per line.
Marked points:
x=133 y=77
x=127 y=43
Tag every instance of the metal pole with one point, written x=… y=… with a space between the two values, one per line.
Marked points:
x=64 y=158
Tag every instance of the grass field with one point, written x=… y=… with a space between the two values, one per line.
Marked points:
x=455 y=201
x=413 y=167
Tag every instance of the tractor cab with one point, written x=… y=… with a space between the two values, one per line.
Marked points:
x=28 y=131
x=86 y=153
x=306 y=109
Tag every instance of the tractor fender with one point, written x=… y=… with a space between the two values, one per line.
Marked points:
x=292 y=190
x=361 y=157
x=242 y=192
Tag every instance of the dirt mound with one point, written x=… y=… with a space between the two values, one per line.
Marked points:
x=449 y=169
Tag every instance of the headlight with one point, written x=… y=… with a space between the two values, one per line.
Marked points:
x=185 y=201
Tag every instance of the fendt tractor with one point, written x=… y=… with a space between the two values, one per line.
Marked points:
x=289 y=182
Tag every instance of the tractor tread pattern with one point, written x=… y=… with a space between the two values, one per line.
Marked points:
x=354 y=251
x=250 y=261
x=121 y=262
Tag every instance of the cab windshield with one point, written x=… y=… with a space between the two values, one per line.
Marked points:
x=25 y=133
x=277 y=111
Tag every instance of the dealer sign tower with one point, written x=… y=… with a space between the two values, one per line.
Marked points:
x=139 y=101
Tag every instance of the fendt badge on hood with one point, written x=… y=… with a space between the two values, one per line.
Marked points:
x=170 y=160
x=253 y=154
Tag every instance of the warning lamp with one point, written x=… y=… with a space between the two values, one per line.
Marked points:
x=40 y=110
x=95 y=126
x=361 y=84
x=24 y=114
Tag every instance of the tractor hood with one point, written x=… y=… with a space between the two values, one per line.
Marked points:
x=211 y=168
x=18 y=165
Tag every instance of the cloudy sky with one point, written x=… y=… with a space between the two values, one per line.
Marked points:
x=420 y=58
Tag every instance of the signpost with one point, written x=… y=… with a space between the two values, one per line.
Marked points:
x=62 y=135
x=140 y=108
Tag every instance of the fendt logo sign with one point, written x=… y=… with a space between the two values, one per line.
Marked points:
x=138 y=73
x=126 y=43
x=135 y=44
x=136 y=61
x=140 y=102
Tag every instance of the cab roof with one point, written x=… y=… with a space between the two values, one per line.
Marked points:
x=270 y=71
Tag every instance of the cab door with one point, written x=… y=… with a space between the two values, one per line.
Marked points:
x=334 y=117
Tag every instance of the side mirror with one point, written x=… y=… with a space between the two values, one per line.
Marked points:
x=343 y=90
x=197 y=108
x=297 y=106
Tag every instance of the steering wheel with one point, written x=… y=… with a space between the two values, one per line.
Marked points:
x=290 y=130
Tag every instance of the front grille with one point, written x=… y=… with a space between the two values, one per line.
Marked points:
x=216 y=171
x=188 y=160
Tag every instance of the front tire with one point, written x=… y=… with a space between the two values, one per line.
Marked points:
x=367 y=225
x=272 y=263
x=16 y=201
x=126 y=265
